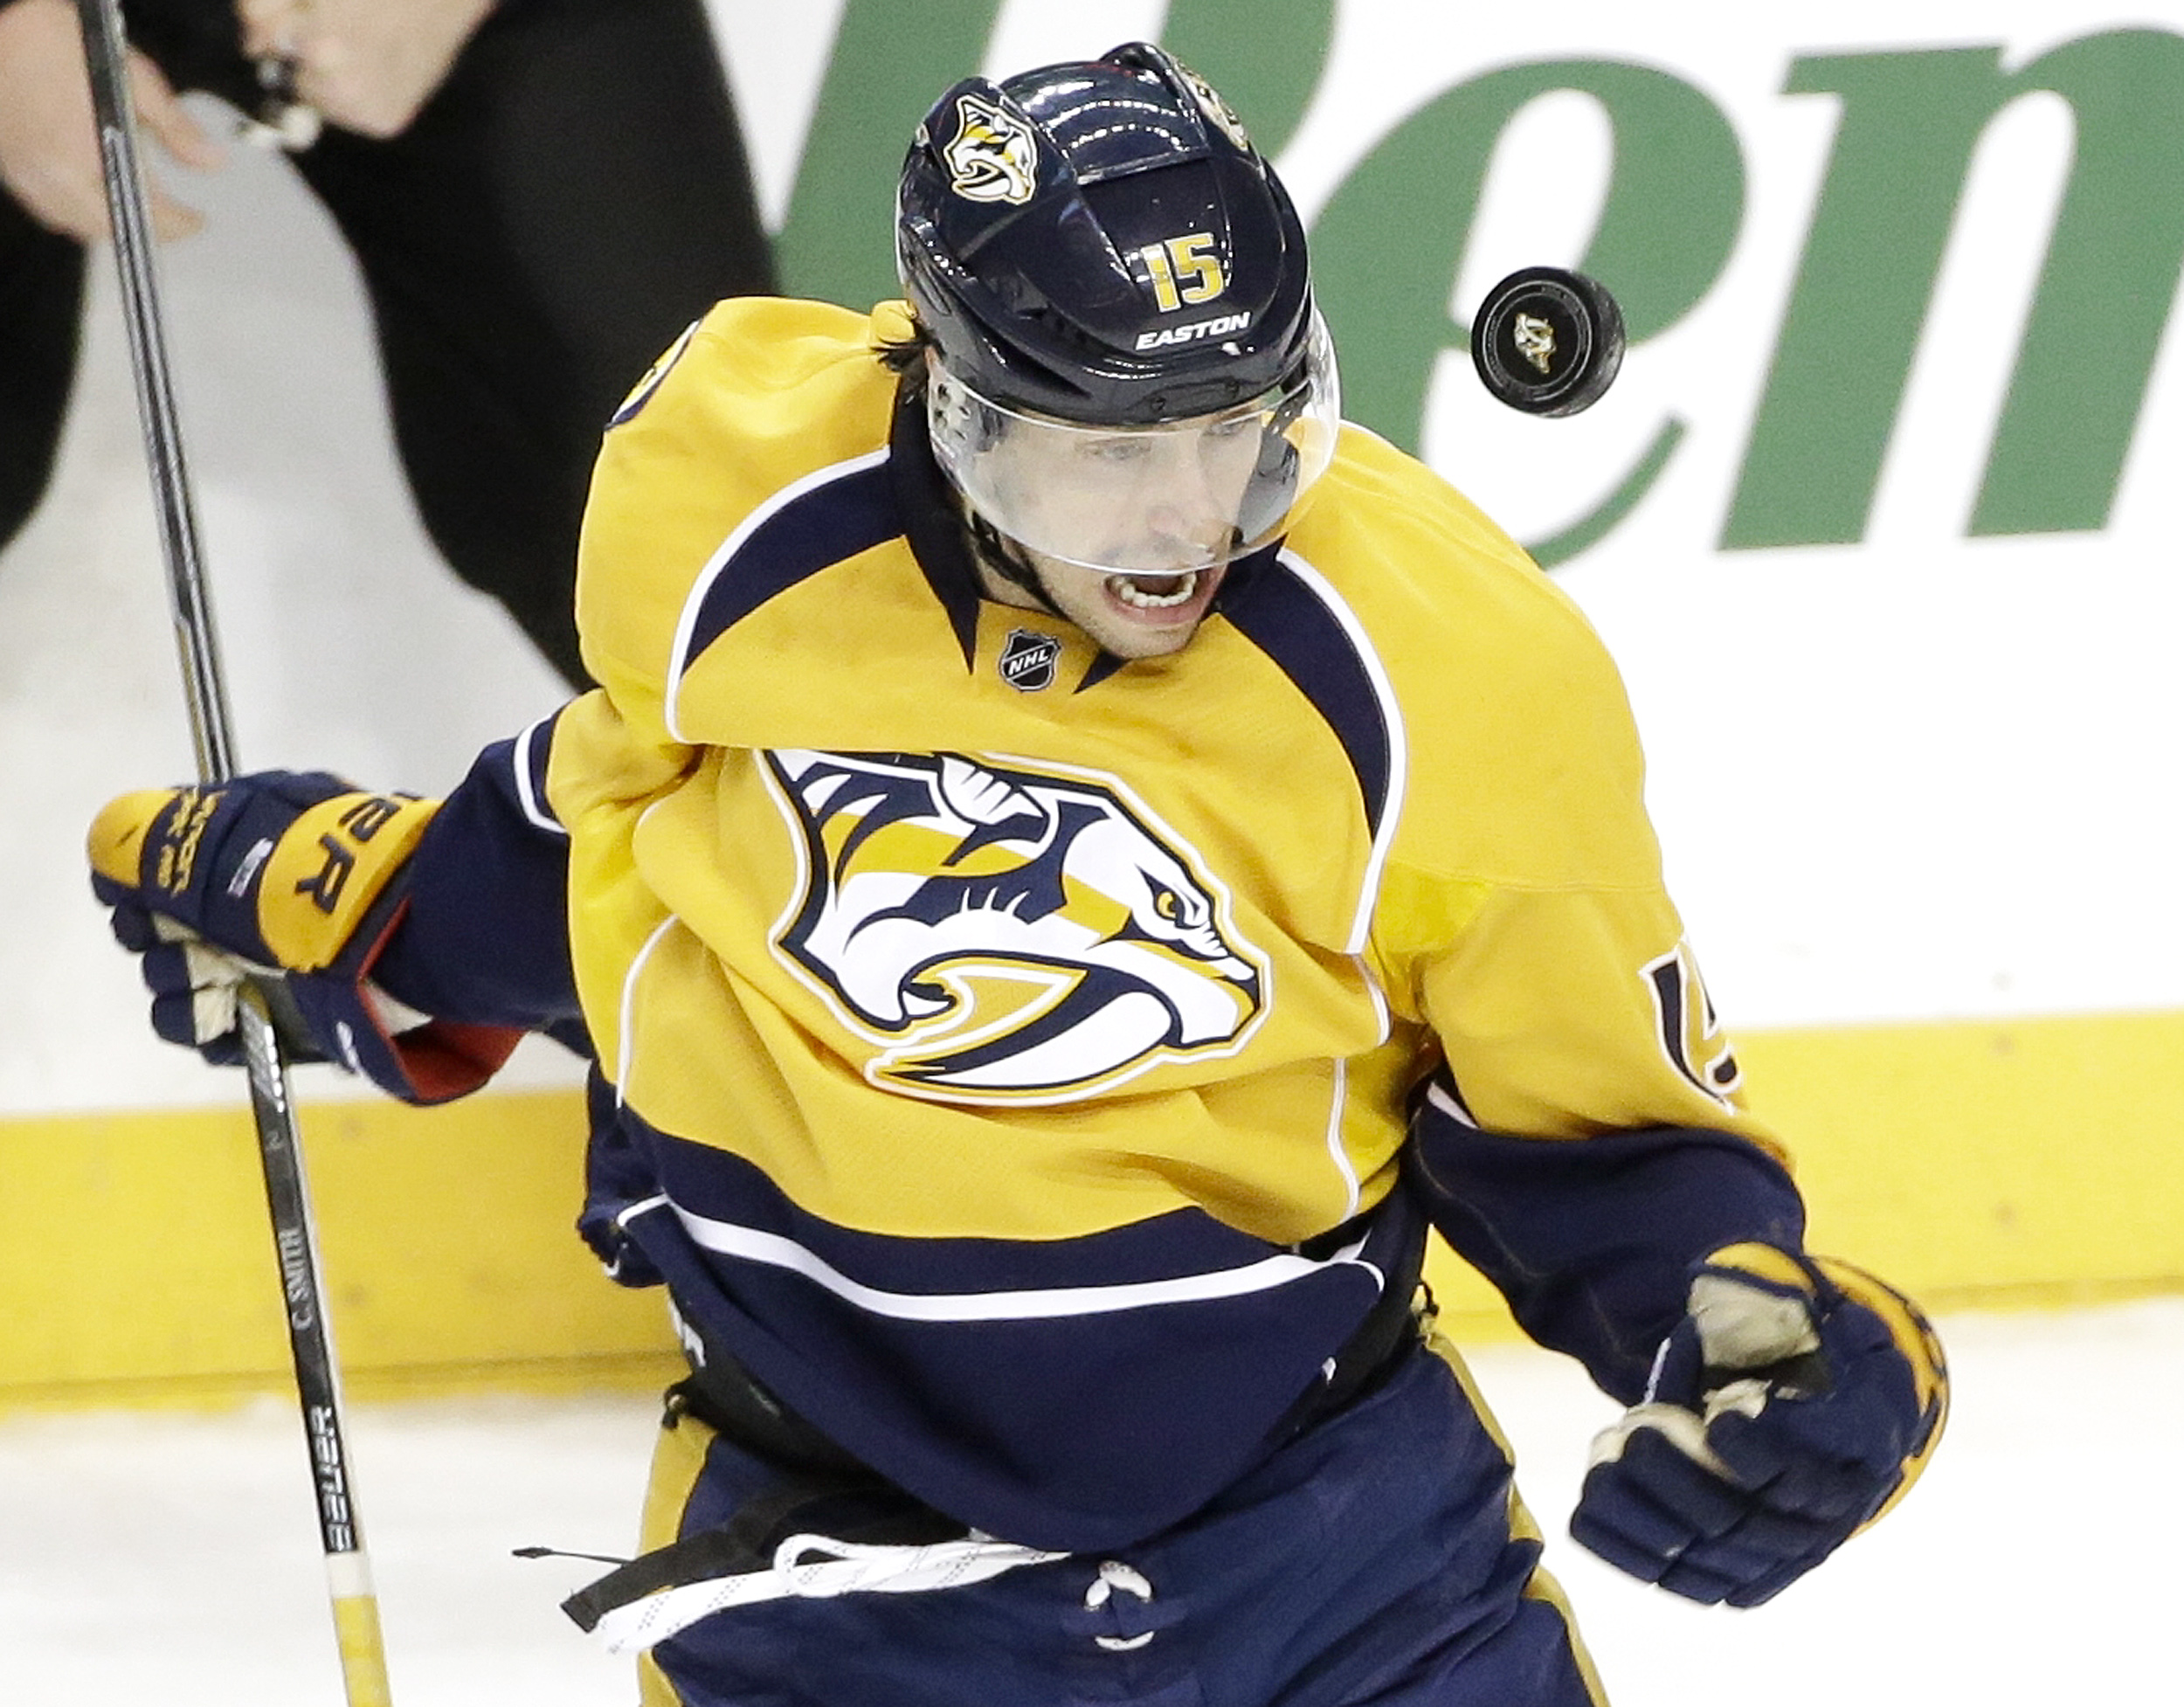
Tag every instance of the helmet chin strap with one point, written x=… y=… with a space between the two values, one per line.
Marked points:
x=995 y=550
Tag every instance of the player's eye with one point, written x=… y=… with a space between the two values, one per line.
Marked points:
x=1119 y=451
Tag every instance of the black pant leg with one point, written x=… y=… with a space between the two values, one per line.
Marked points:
x=573 y=197
x=41 y=319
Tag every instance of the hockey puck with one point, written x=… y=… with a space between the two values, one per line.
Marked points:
x=1547 y=342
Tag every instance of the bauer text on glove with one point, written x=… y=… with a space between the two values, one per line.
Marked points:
x=298 y=872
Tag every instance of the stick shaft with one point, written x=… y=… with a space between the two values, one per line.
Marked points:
x=287 y=1196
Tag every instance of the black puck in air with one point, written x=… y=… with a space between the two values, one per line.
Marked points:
x=1547 y=342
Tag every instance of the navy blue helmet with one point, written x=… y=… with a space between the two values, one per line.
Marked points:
x=1099 y=242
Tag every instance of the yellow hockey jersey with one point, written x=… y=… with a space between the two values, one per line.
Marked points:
x=1019 y=1049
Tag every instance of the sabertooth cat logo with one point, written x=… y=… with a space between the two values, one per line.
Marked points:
x=1536 y=342
x=1002 y=935
x=1214 y=108
x=995 y=155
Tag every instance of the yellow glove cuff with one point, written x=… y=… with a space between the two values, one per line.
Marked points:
x=327 y=870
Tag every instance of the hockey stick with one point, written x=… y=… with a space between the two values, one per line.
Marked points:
x=288 y=1199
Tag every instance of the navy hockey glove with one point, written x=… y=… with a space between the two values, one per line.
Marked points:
x=280 y=872
x=1796 y=1402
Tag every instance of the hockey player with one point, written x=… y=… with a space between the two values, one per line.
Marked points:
x=1075 y=861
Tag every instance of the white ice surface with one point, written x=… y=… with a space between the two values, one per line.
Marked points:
x=173 y=1559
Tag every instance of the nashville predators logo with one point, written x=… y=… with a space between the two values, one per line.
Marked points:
x=1001 y=934
x=994 y=157
x=1536 y=342
x=1214 y=108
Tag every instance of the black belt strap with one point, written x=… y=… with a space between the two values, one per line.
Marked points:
x=1389 y=1328
x=721 y=1394
x=860 y=1508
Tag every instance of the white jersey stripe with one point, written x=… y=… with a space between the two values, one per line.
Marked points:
x=1399 y=754
x=535 y=810
x=728 y=1239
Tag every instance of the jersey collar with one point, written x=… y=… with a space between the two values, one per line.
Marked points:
x=930 y=523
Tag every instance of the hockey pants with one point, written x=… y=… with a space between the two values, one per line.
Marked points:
x=1380 y=1558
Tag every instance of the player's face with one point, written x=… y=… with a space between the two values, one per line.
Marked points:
x=1129 y=530
x=1142 y=503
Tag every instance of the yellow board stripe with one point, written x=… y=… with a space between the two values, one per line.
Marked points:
x=2026 y=1162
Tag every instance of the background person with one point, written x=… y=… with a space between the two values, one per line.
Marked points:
x=538 y=194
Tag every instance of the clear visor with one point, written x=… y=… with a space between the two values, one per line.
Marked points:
x=1163 y=500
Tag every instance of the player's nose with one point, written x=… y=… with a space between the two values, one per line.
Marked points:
x=1180 y=488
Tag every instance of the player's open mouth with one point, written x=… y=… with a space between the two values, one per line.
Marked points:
x=1154 y=592
x=1156 y=595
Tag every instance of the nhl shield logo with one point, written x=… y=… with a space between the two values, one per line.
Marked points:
x=1028 y=660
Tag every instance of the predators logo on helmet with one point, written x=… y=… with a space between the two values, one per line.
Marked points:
x=1029 y=209
x=995 y=155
